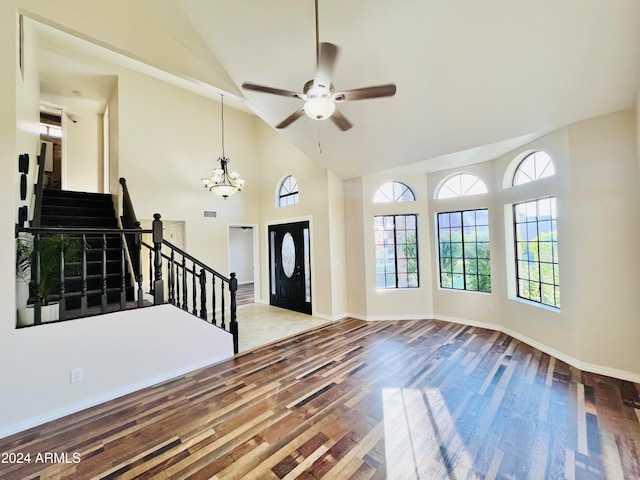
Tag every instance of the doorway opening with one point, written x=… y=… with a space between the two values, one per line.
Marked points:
x=51 y=135
x=242 y=254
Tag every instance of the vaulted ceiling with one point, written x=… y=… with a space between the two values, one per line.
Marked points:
x=474 y=79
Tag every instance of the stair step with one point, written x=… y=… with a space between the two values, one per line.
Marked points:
x=51 y=193
x=77 y=221
x=81 y=210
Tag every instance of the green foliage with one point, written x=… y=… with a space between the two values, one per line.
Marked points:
x=50 y=246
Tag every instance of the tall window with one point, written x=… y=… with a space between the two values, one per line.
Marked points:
x=537 y=251
x=394 y=192
x=533 y=167
x=461 y=185
x=396 y=238
x=463 y=239
x=288 y=192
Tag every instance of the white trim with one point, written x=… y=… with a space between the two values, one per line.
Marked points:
x=99 y=399
x=574 y=362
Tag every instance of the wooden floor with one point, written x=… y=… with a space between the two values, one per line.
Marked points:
x=399 y=400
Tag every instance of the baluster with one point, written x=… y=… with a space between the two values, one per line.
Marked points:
x=222 y=305
x=158 y=284
x=185 y=298
x=233 y=323
x=138 y=243
x=151 y=271
x=177 y=266
x=193 y=289
x=203 y=294
x=123 y=283
x=35 y=273
x=83 y=298
x=62 y=304
x=103 y=298
x=172 y=291
x=213 y=299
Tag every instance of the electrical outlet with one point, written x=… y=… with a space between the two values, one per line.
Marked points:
x=490 y=308
x=77 y=375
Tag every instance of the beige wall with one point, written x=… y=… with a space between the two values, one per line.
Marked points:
x=386 y=303
x=120 y=352
x=82 y=170
x=320 y=202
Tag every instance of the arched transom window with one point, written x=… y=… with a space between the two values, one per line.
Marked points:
x=394 y=192
x=288 y=191
x=533 y=167
x=461 y=185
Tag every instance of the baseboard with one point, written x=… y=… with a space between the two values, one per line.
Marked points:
x=574 y=362
x=97 y=400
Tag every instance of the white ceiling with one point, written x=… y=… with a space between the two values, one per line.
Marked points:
x=474 y=79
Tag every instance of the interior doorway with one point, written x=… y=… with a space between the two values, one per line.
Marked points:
x=242 y=254
x=51 y=135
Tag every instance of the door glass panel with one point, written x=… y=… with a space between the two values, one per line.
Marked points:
x=288 y=255
x=272 y=242
x=307 y=267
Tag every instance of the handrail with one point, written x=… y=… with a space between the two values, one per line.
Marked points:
x=41 y=233
x=189 y=277
x=129 y=220
x=39 y=187
x=195 y=260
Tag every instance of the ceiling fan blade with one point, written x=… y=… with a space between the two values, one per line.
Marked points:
x=291 y=118
x=341 y=121
x=274 y=91
x=365 y=93
x=326 y=62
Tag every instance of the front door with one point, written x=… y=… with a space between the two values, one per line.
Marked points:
x=289 y=266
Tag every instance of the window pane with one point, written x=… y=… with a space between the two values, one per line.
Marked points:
x=462 y=253
x=396 y=251
x=537 y=259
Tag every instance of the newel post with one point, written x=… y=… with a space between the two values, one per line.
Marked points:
x=158 y=284
x=233 y=324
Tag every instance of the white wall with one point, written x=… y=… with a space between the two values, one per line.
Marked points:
x=402 y=302
x=277 y=159
x=83 y=167
x=119 y=353
x=597 y=196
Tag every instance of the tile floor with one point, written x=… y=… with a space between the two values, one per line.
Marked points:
x=260 y=324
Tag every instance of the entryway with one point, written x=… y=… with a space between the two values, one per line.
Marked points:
x=290 y=267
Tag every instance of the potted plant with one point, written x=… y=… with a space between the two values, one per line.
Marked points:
x=49 y=273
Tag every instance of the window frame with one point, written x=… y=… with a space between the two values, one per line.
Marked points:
x=532 y=155
x=555 y=263
x=289 y=194
x=396 y=257
x=459 y=175
x=377 y=197
x=463 y=249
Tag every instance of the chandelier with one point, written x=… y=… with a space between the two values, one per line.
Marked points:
x=221 y=182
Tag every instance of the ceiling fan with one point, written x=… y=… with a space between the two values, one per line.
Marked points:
x=319 y=95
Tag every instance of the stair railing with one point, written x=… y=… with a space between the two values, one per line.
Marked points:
x=130 y=221
x=39 y=187
x=196 y=288
x=44 y=268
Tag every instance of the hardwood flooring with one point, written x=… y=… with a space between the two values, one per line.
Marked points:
x=356 y=400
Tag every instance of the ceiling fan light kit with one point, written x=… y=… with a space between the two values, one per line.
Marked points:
x=319 y=108
x=319 y=95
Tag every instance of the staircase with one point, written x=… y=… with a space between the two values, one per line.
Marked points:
x=63 y=208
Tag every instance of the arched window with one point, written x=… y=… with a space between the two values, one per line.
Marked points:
x=533 y=167
x=288 y=192
x=394 y=192
x=461 y=185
